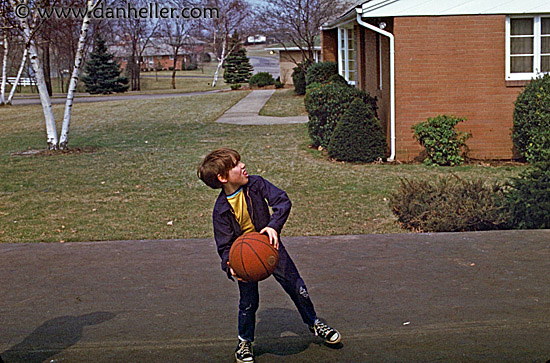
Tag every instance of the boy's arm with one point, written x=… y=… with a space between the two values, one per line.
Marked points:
x=224 y=239
x=279 y=202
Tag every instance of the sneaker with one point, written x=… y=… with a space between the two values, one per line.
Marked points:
x=244 y=353
x=330 y=335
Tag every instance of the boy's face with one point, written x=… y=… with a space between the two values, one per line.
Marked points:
x=236 y=178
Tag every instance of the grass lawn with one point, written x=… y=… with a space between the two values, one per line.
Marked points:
x=154 y=82
x=140 y=180
x=284 y=103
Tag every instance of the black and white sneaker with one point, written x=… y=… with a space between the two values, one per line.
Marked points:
x=244 y=353
x=330 y=335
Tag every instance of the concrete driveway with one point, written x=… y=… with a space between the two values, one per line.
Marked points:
x=456 y=297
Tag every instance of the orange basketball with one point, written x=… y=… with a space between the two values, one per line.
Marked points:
x=252 y=257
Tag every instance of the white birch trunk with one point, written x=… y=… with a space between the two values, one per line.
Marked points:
x=19 y=72
x=51 y=131
x=4 y=71
x=64 y=139
x=221 y=60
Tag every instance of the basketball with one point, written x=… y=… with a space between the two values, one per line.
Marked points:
x=252 y=257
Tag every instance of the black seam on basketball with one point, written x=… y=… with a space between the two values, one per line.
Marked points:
x=259 y=240
x=259 y=258
x=242 y=263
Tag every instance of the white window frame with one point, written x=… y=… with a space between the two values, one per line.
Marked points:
x=344 y=63
x=537 y=55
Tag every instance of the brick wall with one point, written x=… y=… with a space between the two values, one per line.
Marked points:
x=454 y=65
x=329 y=45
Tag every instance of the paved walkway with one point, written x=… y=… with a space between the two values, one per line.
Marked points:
x=246 y=111
x=452 y=297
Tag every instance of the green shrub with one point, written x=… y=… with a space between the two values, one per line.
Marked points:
x=261 y=79
x=442 y=142
x=235 y=86
x=528 y=199
x=321 y=72
x=449 y=204
x=531 y=131
x=299 y=80
x=326 y=104
x=358 y=136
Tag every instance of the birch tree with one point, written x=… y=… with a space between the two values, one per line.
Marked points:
x=4 y=68
x=19 y=72
x=64 y=139
x=234 y=16
x=29 y=26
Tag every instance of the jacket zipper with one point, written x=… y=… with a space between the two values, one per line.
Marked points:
x=251 y=211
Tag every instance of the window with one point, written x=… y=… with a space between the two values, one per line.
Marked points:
x=346 y=54
x=527 y=47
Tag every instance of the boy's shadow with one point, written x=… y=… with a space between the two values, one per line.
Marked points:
x=282 y=332
x=53 y=337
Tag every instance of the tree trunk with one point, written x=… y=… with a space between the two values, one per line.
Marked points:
x=19 y=72
x=4 y=70
x=221 y=60
x=174 y=71
x=47 y=68
x=51 y=131
x=64 y=139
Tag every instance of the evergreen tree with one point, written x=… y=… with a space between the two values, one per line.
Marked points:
x=237 y=65
x=358 y=135
x=102 y=72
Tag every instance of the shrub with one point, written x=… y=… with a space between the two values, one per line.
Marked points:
x=449 y=204
x=321 y=72
x=528 y=199
x=358 y=136
x=299 y=80
x=261 y=79
x=531 y=130
x=442 y=142
x=326 y=104
x=235 y=86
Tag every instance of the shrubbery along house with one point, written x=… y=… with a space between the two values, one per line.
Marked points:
x=423 y=58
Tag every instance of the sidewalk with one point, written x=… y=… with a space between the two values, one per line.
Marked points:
x=455 y=297
x=246 y=112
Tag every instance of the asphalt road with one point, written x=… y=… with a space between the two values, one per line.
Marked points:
x=453 y=297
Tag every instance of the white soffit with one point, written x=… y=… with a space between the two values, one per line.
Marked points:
x=395 y=8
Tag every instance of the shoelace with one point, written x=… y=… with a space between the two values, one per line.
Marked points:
x=322 y=329
x=244 y=349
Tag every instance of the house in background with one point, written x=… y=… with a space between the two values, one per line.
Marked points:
x=288 y=57
x=159 y=54
x=422 y=58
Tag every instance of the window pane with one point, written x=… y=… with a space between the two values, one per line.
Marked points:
x=545 y=26
x=545 y=63
x=545 y=45
x=521 y=64
x=351 y=76
x=522 y=26
x=522 y=45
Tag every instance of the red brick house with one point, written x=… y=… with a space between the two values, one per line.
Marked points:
x=159 y=54
x=422 y=58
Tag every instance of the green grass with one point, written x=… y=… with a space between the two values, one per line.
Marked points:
x=284 y=103
x=141 y=183
x=152 y=84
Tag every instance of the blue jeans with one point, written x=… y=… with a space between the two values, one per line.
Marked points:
x=287 y=275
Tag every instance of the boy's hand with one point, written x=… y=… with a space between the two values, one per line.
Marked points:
x=273 y=237
x=234 y=274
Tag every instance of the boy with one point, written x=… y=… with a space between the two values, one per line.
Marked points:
x=241 y=208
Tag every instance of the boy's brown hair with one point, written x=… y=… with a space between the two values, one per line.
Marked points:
x=218 y=162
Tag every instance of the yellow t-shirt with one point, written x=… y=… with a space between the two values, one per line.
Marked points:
x=238 y=203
